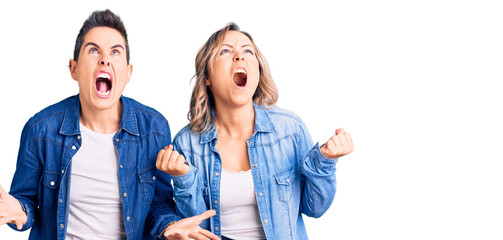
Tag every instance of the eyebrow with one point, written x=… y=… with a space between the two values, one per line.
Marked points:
x=117 y=46
x=231 y=46
x=92 y=44
x=96 y=45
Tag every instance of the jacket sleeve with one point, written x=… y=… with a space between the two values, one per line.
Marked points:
x=26 y=179
x=317 y=176
x=188 y=191
x=162 y=209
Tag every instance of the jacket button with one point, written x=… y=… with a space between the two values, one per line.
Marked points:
x=127 y=219
x=62 y=226
x=266 y=221
x=153 y=178
x=260 y=195
x=217 y=174
x=125 y=194
x=254 y=165
x=78 y=136
x=73 y=147
x=60 y=200
x=52 y=183
x=216 y=228
x=116 y=139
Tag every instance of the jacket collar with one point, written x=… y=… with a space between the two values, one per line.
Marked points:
x=71 y=119
x=262 y=124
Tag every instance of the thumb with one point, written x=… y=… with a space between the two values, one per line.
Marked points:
x=206 y=215
x=2 y=191
x=19 y=224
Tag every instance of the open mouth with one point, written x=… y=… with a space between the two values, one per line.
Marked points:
x=103 y=84
x=240 y=77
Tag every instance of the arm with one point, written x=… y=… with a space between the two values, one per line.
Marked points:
x=187 y=184
x=318 y=170
x=18 y=207
x=162 y=210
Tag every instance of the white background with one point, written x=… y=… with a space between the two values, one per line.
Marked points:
x=416 y=83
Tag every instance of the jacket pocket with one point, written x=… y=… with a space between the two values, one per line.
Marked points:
x=147 y=181
x=51 y=182
x=284 y=181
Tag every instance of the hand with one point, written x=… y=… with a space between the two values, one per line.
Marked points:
x=338 y=145
x=171 y=162
x=11 y=210
x=188 y=228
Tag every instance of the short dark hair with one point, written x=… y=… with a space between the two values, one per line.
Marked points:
x=104 y=18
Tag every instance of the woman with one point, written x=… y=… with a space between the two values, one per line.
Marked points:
x=252 y=162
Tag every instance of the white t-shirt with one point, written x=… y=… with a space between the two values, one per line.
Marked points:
x=239 y=214
x=95 y=208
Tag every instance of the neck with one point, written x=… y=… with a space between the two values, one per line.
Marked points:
x=235 y=121
x=101 y=121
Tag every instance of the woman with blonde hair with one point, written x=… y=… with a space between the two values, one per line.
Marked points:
x=252 y=162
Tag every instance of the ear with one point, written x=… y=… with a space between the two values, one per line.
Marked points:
x=208 y=82
x=72 y=65
x=129 y=72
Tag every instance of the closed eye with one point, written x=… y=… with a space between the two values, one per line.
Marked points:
x=249 y=51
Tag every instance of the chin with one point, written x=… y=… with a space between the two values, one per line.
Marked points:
x=104 y=104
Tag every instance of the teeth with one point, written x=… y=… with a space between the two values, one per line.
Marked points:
x=104 y=93
x=240 y=71
x=104 y=75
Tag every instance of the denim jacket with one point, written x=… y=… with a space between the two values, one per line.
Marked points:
x=42 y=179
x=291 y=177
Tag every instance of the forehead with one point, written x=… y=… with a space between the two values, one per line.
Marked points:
x=104 y=36
x=236 y=38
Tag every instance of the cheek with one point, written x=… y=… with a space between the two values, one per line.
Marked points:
x=255 y=75
x=219 y=70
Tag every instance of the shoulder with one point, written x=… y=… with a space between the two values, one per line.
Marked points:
x=282 y=118
x=53 y=111
x=145 y=114
x=185 y=136
x=143 y=110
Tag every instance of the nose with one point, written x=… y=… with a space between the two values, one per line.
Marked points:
x=238 y=56
x=104 y=61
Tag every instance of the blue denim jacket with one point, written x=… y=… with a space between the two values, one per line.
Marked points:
x=42 y=179
x=291 y=177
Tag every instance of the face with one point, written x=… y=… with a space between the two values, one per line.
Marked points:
x=101 y=70
x=235 y=72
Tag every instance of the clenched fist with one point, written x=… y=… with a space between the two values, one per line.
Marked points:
x=338 y=145
x=171 y=162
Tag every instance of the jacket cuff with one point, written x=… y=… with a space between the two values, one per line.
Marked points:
x=320 y=161
x=29 y=214
x=164 y=224
x=187 y=180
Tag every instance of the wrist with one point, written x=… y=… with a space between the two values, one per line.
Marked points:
x=167 y=227
x=23 y=214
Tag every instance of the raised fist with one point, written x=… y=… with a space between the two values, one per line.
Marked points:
x=338 y=145
x=171 y=162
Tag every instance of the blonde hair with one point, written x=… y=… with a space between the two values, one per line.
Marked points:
x=202 y=103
